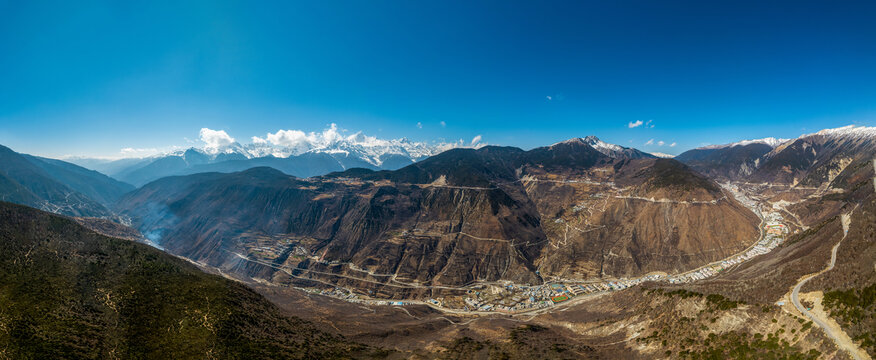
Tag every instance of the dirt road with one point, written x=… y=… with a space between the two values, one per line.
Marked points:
x=842 y=340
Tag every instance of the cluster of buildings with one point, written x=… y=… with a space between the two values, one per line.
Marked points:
x=774 y=235
x=336 y=293
x=511 y=298
x=266 y=252
x=699 y=274
x=266 y=248
x=524 y=298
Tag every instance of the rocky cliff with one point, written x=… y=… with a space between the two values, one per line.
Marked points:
x=463 y=216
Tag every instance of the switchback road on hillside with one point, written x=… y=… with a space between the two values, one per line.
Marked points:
x=839 y=337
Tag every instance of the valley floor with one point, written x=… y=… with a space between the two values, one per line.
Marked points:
x=505 y=297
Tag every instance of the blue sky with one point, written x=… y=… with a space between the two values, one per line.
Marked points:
x=80 y=78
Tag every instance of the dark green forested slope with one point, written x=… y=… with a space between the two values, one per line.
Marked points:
x=67 y=292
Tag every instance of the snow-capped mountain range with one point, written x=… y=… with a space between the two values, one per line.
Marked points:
x=808 y=159
x=292 y=151
x=369 y=149
x=288 y=143
x=316 y=153
x=771 y=141
x=847 y=132
x=850 y=131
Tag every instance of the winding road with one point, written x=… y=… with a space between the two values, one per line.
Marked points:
x=840 y=338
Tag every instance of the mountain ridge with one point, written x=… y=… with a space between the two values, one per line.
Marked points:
x=810 y=159
x=465 y=214
x=71 y=293
x=56 y=186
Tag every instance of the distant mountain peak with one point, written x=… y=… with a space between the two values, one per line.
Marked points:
x=292 y=151
x=370 y=149
x=607 y=149
x=848 y=131
x=770 y=141
x=602 y=146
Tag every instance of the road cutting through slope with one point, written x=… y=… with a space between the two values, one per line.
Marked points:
x=833 y=331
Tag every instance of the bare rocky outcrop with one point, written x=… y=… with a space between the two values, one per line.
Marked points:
x=464 y=216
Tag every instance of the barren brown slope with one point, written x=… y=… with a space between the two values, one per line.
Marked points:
x=456 y=218
x=644 y=215
x=849 y=287
x=422 y=233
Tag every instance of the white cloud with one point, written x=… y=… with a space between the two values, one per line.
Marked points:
x=297 y=139
x=288 y=138
x=649 y=124
x=215 y=139
x=633 y=124
x=284 y=143
x=443 y=124
x=549 y=97
x=419 y=125
x=658 y=143
x=444 y=146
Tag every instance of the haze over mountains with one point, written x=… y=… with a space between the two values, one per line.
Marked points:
x=438 y=180
x=71 y=293
x=62 y=187
x=472 y=223
x=290 y=151
x=457 y=217
x=57 y=186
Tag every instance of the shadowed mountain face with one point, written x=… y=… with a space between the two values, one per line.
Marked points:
x=67 y=292
x=809 y=161
x=305 y=165
x=816 y=159
x=56 y=186
x=728 y=163
x=337 y=157
x=612 y=150
x=93 y=184
x=497 y=213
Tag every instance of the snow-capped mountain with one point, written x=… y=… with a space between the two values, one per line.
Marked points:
x=607 y=149
x=291 y=151
x=812 y=159
x=817 y=158
x=850 y=132
x=731 y=161
x=770 y=141
x=370 y=149
x=288 y=143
